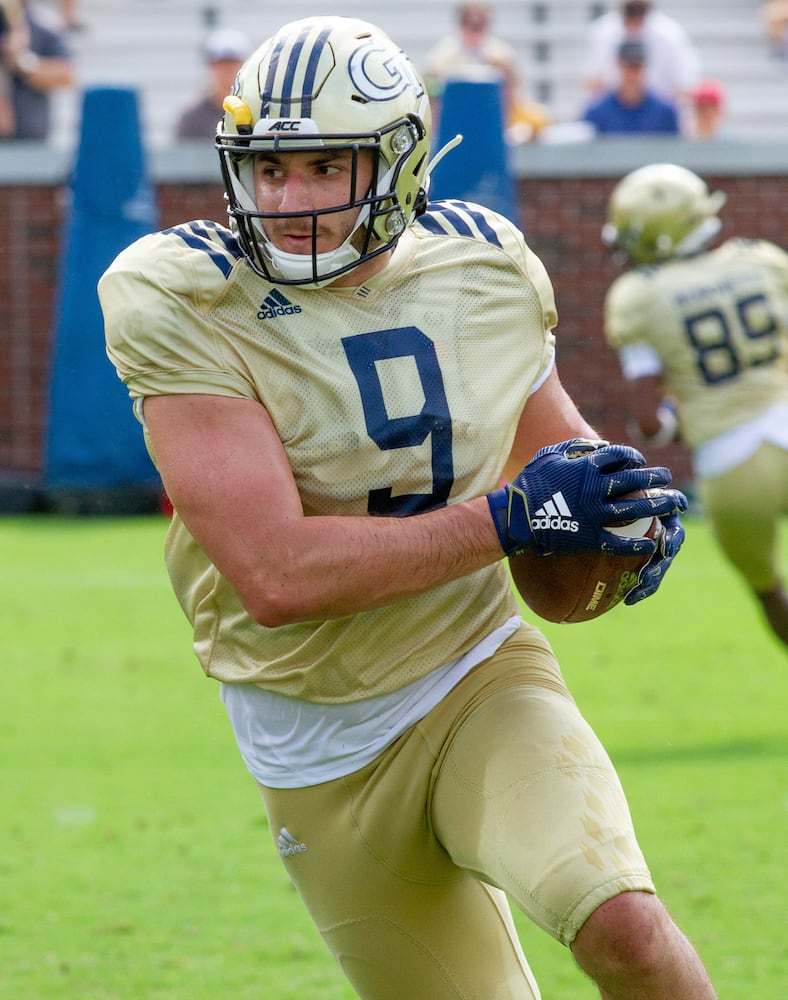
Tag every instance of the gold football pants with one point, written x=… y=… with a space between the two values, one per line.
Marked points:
x=502 y=785
x=745 y=507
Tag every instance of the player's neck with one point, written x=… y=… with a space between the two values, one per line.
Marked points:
x=363 y=272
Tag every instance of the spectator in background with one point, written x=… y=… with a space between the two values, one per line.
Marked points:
x=36 y=60
x=708 y=111
x=631 y=107
x=224 y=51
x=69 y=13
x=775 y=19
x=11 y=20
x=471 y=52
x=673 y=65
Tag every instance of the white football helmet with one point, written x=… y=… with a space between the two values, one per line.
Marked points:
x=327 y=81
x=661 y=211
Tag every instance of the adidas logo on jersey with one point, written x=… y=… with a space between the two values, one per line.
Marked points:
x=554 y=515
x=288 y=845
x=275 y=304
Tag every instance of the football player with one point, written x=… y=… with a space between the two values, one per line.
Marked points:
x=702 y=335
x=331 y=387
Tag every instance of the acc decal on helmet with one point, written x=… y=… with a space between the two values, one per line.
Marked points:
x=319 y=82
x=661 y=211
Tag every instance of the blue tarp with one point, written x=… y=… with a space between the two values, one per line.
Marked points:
x=477 y=170
x=93 y=439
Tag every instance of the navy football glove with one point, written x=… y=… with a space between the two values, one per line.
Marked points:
x=568 y=492
x=669 y=542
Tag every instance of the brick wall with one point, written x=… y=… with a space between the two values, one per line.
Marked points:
x=29 y=247
x=562 y=218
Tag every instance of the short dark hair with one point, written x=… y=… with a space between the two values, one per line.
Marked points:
x=474 y=13
x=635 y=10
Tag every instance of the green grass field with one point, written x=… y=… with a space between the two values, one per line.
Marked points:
x=135 y=862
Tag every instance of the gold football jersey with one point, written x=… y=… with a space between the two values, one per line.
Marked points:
x=719 y=323
x=391 y=398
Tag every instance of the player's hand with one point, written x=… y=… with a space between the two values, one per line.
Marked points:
x=568 y=492
x=669 y=541
x=668 y=430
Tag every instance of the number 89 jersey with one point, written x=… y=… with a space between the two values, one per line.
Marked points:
x=718 y=323
x=392 y=398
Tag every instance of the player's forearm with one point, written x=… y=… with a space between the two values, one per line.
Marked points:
x=335 y=566
x=225 y=470
x=44 y=74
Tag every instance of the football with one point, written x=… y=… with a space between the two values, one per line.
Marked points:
x=580 y=586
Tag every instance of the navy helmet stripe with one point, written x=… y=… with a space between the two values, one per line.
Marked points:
x=291 y=92
x=269 y=80
x=311 y=72
x=290 y=74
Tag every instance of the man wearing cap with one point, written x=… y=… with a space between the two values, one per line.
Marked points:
x=224 y=51
x=472 y=52
x=673 y=66
x=631 y=106
x=708 y=111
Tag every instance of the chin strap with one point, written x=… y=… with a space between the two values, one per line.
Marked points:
x=298 y=267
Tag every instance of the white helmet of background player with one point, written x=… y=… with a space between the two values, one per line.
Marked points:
x=327 y=81
x=661 y=211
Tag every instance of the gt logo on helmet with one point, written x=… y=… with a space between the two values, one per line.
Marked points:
x=382 y=74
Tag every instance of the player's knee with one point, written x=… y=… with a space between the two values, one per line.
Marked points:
x=624 y=937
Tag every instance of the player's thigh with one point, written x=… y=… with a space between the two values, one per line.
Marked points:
x=745 y=507
x=399 y=916
x=528 y=799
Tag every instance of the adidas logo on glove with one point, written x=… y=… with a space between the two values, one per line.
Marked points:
x=554 y=515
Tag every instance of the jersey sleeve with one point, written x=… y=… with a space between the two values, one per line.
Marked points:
x=626 y=327
x=156 y=299
x=624 y=311
x=775 y=258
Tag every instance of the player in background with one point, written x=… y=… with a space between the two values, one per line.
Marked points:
x=702 y=336
x=331 y=388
